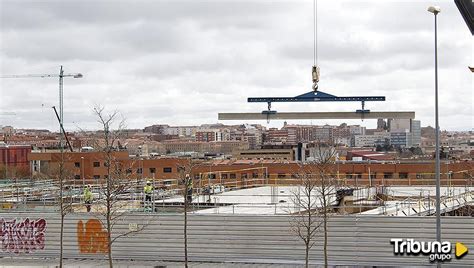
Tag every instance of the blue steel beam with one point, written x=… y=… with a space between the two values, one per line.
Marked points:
x=316 y=96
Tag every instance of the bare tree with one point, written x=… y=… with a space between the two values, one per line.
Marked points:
x=186 y=173
x=65 y=202
x=313 y=199
x=305 y=222
x=117 y=184
x=328 y=185
x=61 y=175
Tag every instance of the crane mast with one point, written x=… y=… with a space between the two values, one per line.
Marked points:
x=61 y=76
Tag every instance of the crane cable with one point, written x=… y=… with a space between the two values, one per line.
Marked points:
x=315 y=68
x=315 y=33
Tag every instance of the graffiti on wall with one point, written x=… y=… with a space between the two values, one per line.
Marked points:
x=22 y=236
x=91 y=238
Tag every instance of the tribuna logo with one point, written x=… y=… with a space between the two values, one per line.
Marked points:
x=437 y=251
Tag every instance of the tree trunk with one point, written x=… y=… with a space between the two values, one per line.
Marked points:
x=109 y=227
x=325 y=225
x=307 y=256
x=325 y=240
x=61 y=209
x=186 y=228
x=109 y=236
x=61 y=238
x=308 y=229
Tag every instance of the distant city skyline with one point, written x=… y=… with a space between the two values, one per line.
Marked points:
x=183 y=62
x=277 y=124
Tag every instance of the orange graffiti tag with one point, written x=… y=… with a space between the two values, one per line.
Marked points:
x=91 y=238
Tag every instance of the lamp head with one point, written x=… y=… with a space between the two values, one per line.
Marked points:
x=434 y=9
x=79 y=75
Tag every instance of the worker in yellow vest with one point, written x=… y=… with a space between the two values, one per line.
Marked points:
x=148 y=191
x=88 y=197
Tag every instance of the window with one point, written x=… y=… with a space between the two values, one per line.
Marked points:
x=129 y=171
x=244 y=175
x=96 y=164
x=373 y=175
x=167 y=170
x=254 y=175
x=106 y=176
x=281 y=175
x=348 y=176
x=403 y=175
x=77 y=164
x=419 y=176
x=211 y=176
x=96 y=177
x=77 y=177
x=139 y=170
x=387 y=175
x=224 y=176
x=152 y=170
x=358 y=175
x=232 y=176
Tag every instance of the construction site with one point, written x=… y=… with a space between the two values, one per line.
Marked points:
x=229 y=224
x=295 y=197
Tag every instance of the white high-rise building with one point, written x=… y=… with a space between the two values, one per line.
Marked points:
x=416 y=132
x=399 y=125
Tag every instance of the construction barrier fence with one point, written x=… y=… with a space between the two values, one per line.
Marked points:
x=353 y=239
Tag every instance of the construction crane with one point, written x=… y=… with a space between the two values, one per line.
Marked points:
x=315 y=68
x=62 y=129
x=314 y=96
x=61 y=76
x=78 y=75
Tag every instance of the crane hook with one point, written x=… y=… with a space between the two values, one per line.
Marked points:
x=315 y=76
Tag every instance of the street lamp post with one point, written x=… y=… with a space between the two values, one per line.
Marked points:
x=435 y=10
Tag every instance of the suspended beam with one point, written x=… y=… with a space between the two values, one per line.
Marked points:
x=315 y=97
x=315 y=115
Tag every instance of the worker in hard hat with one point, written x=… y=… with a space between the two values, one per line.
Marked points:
x=88 y=197
x=148 y=191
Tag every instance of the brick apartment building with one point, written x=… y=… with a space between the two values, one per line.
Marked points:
x=349 y=173
x=90 y=167
x=206 y=136
x=14 y=161
x=225 y=147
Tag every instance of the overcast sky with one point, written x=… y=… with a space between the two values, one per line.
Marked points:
x=183 y=62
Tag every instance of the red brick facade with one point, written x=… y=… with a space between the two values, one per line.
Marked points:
x=91 y=167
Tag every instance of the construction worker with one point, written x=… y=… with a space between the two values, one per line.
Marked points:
x=88 y=197
x=148 y=190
